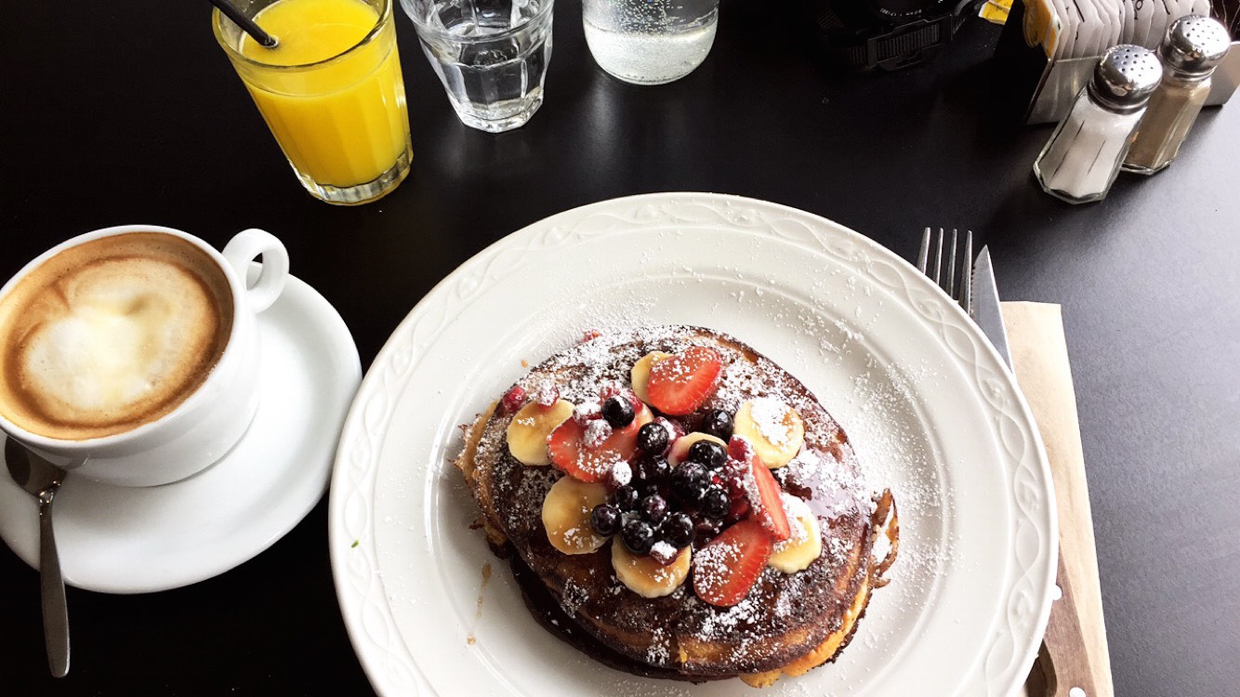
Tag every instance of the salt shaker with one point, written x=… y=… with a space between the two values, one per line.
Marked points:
x=1194 y=45
x=1085 y=152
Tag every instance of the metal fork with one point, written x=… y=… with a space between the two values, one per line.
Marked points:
x=958 y=287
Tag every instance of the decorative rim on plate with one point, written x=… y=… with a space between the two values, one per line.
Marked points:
x=1015 y=633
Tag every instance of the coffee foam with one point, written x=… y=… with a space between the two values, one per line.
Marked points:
x=111 y=334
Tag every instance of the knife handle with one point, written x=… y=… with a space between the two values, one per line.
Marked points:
x=1064 y=645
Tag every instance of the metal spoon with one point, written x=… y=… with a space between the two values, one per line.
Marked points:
x=41 y=479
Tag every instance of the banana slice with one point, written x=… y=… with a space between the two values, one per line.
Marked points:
x=529 y=428
x=680 y=447
x=639 y=376
x=799 y=551
x=566 y=515
x=775 y=430
x=647 y=577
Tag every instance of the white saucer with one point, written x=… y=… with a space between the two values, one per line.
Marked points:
x=128 y=540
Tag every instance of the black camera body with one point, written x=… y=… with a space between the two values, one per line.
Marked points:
x=887 y=34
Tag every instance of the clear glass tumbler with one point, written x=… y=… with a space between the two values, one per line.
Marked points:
x=650 y=42
x=491 y=56
x=340 y=118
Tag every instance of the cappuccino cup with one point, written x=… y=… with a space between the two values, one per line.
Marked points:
x=130 y=355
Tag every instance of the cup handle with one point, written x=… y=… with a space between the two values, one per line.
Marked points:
x=246 y=246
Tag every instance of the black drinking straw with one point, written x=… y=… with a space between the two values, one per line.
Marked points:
x=246 y=24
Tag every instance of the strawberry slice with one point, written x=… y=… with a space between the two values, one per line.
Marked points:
x=565 y=444
x=681 y=382
x=568 y=449
x=769 y=509
x=728 y=566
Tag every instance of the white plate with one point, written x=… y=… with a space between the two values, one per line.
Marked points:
x=925 y=399
x=128 y=540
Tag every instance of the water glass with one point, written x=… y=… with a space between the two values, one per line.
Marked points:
x=650 y=42
x=491 y=56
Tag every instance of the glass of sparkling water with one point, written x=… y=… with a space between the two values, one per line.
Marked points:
x=650 y=42
x=491 y=56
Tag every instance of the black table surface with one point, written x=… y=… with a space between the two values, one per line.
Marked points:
x=128 y=112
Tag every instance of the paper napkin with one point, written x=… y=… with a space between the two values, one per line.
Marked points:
x=1040 y=362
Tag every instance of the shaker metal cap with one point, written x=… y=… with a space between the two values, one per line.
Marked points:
x=1125 y=77
x=1195 y=44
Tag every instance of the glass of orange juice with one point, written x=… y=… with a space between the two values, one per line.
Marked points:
x=331 y=91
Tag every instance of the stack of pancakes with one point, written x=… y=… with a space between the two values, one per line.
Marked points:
x=786 y=625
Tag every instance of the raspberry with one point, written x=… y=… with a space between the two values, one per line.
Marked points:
x=586 y=412
x=620 y=475
x=739 y=448
x=513 y=399
x=597 y=431
x=663 y=553
x=608 y=390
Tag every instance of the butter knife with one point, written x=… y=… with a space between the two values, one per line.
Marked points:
x=985 y=308
x=1064 y=641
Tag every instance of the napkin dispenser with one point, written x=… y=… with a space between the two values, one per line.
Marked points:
x=1046 y=88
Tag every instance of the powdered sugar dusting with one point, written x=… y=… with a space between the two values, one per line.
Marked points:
x=545 y=392
x=880 y=401
x=770 y=415
x=796 y=510
x=777 y=600
x=663 y=550
x=718 y=558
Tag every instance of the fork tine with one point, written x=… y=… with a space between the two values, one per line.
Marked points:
x=938 y=258
x=957 y=284
x=923 y=255
x=950 y=285
x=966 y=274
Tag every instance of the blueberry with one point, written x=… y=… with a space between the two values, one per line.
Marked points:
x=605 y=519
x=618 y=411
x=649 y=489
x=626 y=497
x=638 y=536
x=654 y=508
x=653 y=469
x=688 y=471
x=709 y=453
x=706 y=529
x=715 y=503
x=718 y=423
x=652 y=439
x=689 y=481
x=677 y=530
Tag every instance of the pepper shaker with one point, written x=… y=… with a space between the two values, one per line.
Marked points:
x=1194 y=45
x=1080 y=161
